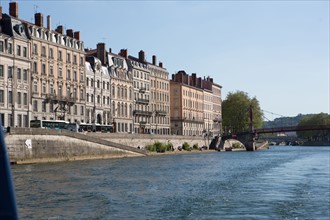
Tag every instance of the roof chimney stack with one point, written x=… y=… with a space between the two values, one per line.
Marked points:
x=69 y=32
x=154 y=60
x=123 y=53
x=160 y=64
x=60 y=29
x=142 y=57
x=49 y=22
x=101 y=52
x=0 y=12
x=77 y=35
x=39 y=19
x=13 y=9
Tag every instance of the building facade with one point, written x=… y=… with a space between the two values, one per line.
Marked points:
x=142 y=112
x=160 y=98
x=54 y=65
x=15 y=105
x=195 y=104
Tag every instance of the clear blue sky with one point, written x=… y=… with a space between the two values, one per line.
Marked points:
x=276 y=51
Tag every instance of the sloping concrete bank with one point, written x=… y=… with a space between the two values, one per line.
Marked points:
x=142 y=140
x=26 y=145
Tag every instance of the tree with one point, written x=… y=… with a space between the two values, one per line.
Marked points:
x=318 y=119
x=236 y=110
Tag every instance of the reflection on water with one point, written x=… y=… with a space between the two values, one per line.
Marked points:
x=280 y=183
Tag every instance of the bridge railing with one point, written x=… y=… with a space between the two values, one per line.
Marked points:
x=292 y=128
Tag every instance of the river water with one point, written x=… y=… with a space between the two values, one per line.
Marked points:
x=279 y=183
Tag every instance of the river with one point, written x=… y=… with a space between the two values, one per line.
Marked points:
x=283 y=182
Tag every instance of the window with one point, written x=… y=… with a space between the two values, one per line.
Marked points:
x=1 y=46
x=68 y=75
x=10 y=97
x=81 y=110
x=43 y=51
x=44 y=69
x=75 y=109
x=1 y=96
x=35 y=67
x=60 y=90
x=87 y=81
x=75 y=75
x=51 y=89
x=75 y=93
x=10 y=72
x=10 y=48
x=98 y=83
x=51 y=53
x=1 y=70
x=24 y=52
x=60 y=72
x=81 y=61
x=19 y=98
x=25 y=75
x=18 y=50
x=44 y=87
x=68 y=58
x=19 y=73
x=43 y=106
x=35 y=86
x=81 y=94
x=35 y=105
x=51 y=71
x=35 y=49
x=75 y=59
x=25 y=99
x=81 y=76
x=68 y=92
x=60 y=55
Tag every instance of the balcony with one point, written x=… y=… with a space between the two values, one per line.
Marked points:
x=161 y=113
x=188 y=120
x=142 y=90
x=217 y=120
x=142 y=101
x=58 y=98
x=140 y=112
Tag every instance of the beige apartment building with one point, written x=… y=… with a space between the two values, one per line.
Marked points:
x=195 y=105
x=160 y=98
x=15 y=108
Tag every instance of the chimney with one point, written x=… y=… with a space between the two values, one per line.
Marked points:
x=154 y=60
x=69 y=32
x=123 y=53
x=60 y=29
x=160 y=64
x=0 y=12
x=77 y=35
x=101 y=52
x=39 y=19
x=13 y=9
x=49 y=22
x=142 y=57
x=110 y=50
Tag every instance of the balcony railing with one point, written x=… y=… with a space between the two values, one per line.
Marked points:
x=189 y=120
x=142 y=90
x=140 y=112
x=58 y=98
x=163 y=113
x=142 y=101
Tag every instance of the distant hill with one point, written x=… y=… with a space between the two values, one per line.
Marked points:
x=284 y=121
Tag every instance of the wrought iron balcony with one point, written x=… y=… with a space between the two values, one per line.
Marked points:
x=142 y=90
x=142 y=101
x=59 y=98
x=140 y=112
x=162 y=113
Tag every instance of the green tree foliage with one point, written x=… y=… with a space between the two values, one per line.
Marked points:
x=236 y=111
x=318 y=119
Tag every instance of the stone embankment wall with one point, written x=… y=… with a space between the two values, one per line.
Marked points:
x=142 y=140
x=26 y=145
x=45 y=145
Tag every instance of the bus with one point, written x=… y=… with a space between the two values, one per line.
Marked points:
x=50 y=124
x=95 y=128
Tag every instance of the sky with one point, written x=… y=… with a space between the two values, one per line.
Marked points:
x=276 y=51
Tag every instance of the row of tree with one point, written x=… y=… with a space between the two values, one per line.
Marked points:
x=236 y=116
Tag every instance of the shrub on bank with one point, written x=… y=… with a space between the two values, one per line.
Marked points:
x=195 y=146
x=186 y=146
x=236 y=145
x=159 y=147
